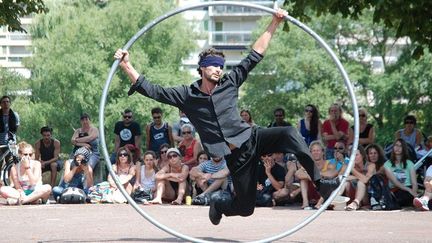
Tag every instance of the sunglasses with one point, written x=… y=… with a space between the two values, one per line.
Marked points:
x=123 y=154
x=308 y=110
x=156 y=117
x=28 y=154
x=339 y=148
x=187 y=132
x=163 y=151
x=127 y=117
x=409 y=122
x=267 y=155
x=172 y=156
x=362 y=115
x=278 y=115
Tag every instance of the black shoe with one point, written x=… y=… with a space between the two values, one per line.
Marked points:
x=214 y=215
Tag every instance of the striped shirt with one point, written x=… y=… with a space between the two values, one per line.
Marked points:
x=211 y=167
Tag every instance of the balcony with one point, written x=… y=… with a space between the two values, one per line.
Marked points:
x=239 y=11
x=230 y=38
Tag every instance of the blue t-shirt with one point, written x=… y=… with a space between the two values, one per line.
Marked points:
x=339 y=164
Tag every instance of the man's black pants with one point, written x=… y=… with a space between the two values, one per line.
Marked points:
x=243 y=162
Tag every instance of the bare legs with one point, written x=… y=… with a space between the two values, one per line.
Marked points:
x=164 y=190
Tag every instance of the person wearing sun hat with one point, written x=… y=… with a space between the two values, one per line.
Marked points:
x=171 y=180
x=77 y=173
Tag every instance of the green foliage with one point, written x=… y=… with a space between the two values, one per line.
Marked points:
x=294 y=72
x=12 y=10
x=73 y=51
x=11 y=82
x=404 y=87
x=404 y=18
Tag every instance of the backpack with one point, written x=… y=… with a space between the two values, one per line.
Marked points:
x=101 y=193
x=380 y=196
x=140 y=195
x=72 y=195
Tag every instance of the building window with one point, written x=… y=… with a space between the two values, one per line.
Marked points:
x=3 y=50
x=206 y=25
x=15 y=59
x=18 y=50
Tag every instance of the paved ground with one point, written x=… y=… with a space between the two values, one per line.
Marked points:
x=121 y=223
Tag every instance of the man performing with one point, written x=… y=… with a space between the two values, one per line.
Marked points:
x=211 y=105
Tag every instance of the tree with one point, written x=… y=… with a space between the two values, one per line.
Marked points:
x=12 y=10
x=412 y=19
x=294 y=72
x=401 y=82
x=72 y=57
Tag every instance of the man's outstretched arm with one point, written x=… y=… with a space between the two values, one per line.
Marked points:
x=263 y=41
x=127 y=67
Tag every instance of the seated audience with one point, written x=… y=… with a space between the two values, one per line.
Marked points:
x=47 y=151
x=401 y=174
x=425 y=149
x=26 y=176
x=422 y=202
x=189 y=146
x=202 y=156
x=367 y=131
x=126 y=131
x=125 y=170
x=271 y=177
x=310 y=125
x=210 y=176
x=334 y=129
x=357 y=181
x=291 y=185
x=279 y=118
x=247 y=117
x=162 y=160
x=375 y=154
x=87 y=136
x=146 y=179
x=338 y=163
x=308 y=190
x=410 y=134
x=281 y=159
x=176 y=128
x=330 y=178
x=77 y=173
x=158 y=132
x=171 y=180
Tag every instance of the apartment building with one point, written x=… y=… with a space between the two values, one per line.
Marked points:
x=14 y=47
x=227 y=28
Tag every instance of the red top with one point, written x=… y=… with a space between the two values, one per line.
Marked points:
x=188 y=152
x=341 y=125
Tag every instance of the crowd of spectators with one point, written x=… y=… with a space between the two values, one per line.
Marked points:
x=172 y=165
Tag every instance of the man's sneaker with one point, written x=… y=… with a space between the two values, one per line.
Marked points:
x=203 y=200
x=214 y=215
x=421 y=204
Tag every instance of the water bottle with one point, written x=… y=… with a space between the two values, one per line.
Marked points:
x=188 y=200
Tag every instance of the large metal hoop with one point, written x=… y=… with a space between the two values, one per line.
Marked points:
x=241 y=4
